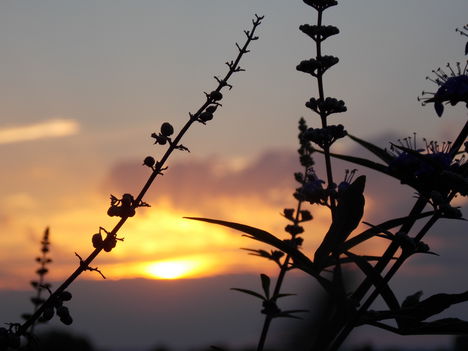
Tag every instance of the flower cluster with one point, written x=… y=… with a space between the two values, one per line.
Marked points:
x=57 y=307
x=453 y=87
x=429 y=170
x=326 y=107
x=326 y=136
x=40 y=284
x=317 y=66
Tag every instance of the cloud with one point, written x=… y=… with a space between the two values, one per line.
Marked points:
x=51 y=128
x=198 y=181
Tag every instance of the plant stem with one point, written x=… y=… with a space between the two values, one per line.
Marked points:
x=84 y=265
x=391 y=250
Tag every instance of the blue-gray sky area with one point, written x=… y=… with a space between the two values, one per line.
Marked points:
x=83 y=84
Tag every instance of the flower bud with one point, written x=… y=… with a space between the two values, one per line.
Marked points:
x=206 y=116
x=48 y=314
x=97 y=241
x=167 y=129
x=216 y=95
x=66 y=296
x=113 y=211
x=149 y=161
x=211 y=108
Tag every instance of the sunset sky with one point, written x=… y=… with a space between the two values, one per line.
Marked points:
x=83 y=84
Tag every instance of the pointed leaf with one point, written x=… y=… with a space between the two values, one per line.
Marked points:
x=249 y=292
x=362 y=162
x=377 y=280
x=439 y=108
x=284 y=295
x=344 y=260
x=466 y=48
x=265 y=285
x=371 y=232
x=377 y=151
x=289 y=314
x=300 y=260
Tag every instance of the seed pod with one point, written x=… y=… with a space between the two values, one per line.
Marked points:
x=113 y=211
x=128 y=212
x=205 y=116
x=66 y=296
x=48 y=314
x=167 y=129
x=97 y=241
x=216 y=95
x=109 y=244
x=211 y=108
x=149 y=161
x=62 y=311
x=64 y=315
x=127 y=200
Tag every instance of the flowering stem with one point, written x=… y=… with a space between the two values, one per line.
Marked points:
x=390 y=252
x=269 y=318
x=279 y=282
x=84 y=265
x=323 y=116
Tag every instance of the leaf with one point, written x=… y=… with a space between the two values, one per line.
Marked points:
x=250 y=292
x=466 y=48
x=265 y=285
x=435 y=304
x=300 y=260
x=377 y=151
x=439 y=108
x=284 y=295
x=362 y=162
x=346 y=217
x=371 y=232
x=343 y=260
x=377 y=280
x=289 y=314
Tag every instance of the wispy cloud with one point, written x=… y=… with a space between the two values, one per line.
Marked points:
x=51 y=128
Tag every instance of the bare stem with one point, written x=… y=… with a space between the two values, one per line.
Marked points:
x=233 y=68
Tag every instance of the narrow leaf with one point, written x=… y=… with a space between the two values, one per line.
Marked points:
x=300 y=260
x=265 y=285
x=377 y=151
x=387 y=225
x=362 y=162
x=249 y=292
x=284 y=295
x=377 y=281
x=289 y=314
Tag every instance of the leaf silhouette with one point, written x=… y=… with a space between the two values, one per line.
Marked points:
x=265 y=285
x=377 y=151
x=300 y=260
x=377 y=280
x=361 y=161
x=346 y=218
x=250 y=292
x=375 y=229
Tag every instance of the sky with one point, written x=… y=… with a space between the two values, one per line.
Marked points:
x=84 y=84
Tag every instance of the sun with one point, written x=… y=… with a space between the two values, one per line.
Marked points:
x=170 y=269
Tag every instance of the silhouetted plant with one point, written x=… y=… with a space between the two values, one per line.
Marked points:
x=41 y=284
x=437 y=172
x=126 y=206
